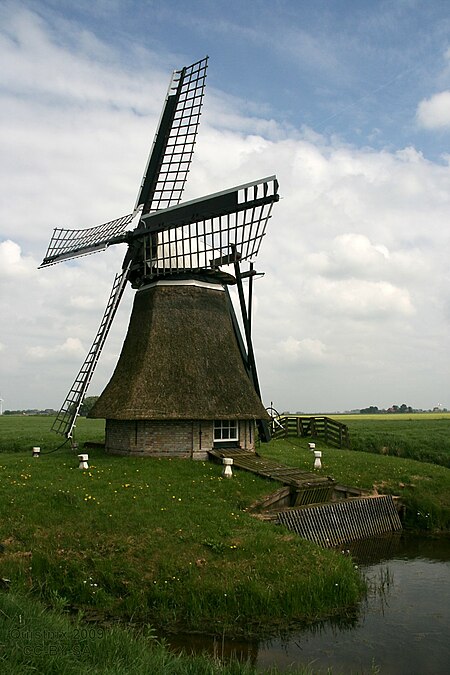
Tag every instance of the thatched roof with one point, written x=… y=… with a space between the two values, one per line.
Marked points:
x=180 y=360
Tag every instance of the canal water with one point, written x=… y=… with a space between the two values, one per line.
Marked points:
x=401 y=628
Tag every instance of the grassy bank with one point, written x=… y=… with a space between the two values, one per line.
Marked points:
x=170 y=543
x=166 y=542
x=424 y=488
x=421 y=436
x=35 y=640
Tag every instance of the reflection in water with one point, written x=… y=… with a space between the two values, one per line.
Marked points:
x=401 y=627
x=220 y=648
x=401 y=546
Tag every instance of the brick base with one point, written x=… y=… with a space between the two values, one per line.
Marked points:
x=169 y=438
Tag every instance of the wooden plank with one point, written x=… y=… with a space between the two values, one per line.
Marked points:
x=334 y=523
x=280 y=497
x=271 y=469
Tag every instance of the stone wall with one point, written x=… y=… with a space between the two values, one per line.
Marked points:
x=169 y=438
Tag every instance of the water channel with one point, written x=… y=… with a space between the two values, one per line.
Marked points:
x=401 y=628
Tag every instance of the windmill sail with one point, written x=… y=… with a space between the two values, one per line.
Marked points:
x=191 y=239
x=185 y=239
x=231 y=226
x=66 y=244
x=171 y=154
x=65 y=420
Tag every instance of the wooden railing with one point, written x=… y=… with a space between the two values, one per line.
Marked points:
x=330 y=430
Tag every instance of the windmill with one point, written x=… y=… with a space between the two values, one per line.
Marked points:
x=186 y=377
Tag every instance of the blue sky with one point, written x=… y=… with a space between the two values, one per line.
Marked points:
x=356 y=69
x=347 y=102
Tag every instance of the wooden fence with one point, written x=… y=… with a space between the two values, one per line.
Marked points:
x=330 y=430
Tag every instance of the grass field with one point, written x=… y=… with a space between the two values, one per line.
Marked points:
x=423 y=487
x=169 y=543
x=395 y=417
x=164 y=541
x=19 y=433
x=421 y=436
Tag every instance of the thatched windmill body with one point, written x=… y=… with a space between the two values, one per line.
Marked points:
x=186 y=378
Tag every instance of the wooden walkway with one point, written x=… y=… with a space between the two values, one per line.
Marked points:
x=307 y=487
x=305 y=504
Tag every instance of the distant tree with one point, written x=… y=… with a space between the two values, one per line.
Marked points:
x=371 y=410
x=34 y=411
x=87 y=404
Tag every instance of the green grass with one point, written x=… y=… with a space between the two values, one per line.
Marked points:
x=421 y=436
x=424 y=488
x=166 y=542
x=171 y=544
x=395 y=417
x=35 y=640
x=19 y=433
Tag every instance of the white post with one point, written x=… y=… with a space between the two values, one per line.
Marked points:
x=83 y=461
x=312 y=446
x=36 y=451
x=317 y=459
x=227 y=470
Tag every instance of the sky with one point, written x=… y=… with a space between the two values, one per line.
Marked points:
x=347 y=102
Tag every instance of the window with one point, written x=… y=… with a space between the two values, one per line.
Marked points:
x=225 y=430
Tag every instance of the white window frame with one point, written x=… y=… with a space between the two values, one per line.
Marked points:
x=226 y=430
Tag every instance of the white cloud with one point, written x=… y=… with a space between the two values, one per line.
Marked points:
x=355 y=254
x=434 y=112
x=306 y=351
x=71 y=349
x=359 y=299
x=71 y=66
x=83 y=301
x=12 y=263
